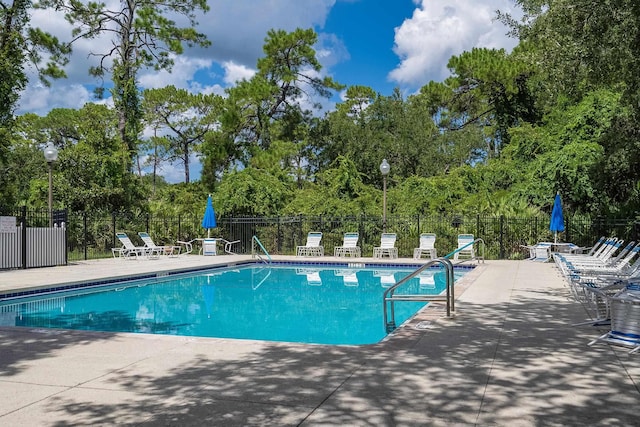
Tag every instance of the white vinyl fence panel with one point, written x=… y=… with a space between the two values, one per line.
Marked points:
x=46 y=247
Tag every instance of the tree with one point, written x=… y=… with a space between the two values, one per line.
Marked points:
x=287 y=76
x=142 y=35
x=368 y=127
x=88 y=176
x=581 y=45
x=21 y=44
x=488 y=90
x=187 y=117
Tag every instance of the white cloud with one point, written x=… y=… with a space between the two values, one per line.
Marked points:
x=39 y=99
x=174 y=172
x=181 y=74
x=440 y=29
x=233 y=72
x=330 y=50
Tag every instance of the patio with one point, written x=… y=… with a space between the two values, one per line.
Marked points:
x=510 y=356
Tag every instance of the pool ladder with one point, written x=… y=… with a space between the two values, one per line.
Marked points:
x=255 y=241
x=389 y=298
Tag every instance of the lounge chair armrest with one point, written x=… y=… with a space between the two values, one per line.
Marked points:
x=188 y=246
x=228 y=244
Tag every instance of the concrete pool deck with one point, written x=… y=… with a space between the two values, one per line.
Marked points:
x=509 y=357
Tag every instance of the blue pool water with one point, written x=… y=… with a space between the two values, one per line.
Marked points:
x=307 y=303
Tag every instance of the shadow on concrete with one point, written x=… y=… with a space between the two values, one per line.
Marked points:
x=521 y=363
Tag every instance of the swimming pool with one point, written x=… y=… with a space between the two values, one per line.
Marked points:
x=323 y=304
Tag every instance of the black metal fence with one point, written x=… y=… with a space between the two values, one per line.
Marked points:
x=91 y=235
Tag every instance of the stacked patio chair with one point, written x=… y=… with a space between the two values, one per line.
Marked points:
x=625 y=318
x=594 y=282
x=620 y=264
x=600 y=254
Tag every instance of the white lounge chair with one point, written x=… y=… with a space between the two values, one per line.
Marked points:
x=465 y=241
x=163 y=250
x=349 y=246
x=427 y=246
x=387 y=246
x=131 y=251
x=312 y=248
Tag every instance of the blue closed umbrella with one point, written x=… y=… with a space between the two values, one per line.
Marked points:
x=209 y=219
x=557 y=219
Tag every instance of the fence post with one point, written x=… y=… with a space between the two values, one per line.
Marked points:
x=279 y=236
x=113 y=229
x=501 y=236
x=300 y=228
x=66 y=237
x=85 y=238
x=23 y=236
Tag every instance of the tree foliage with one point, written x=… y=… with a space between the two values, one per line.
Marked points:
x=287 y=76
x=21 y=45
x=142 y=34
x=500 y=136
x=183 y=120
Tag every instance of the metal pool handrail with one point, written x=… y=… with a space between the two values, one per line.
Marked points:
x=254 y=241
x=449 y=296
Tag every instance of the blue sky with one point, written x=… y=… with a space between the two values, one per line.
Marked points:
x=367 y=29
x=378 y=43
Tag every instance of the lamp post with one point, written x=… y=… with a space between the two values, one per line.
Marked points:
x=384 y=170
x=50 y=155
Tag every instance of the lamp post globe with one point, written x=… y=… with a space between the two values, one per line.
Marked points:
x=50 y=155
x=385 y=168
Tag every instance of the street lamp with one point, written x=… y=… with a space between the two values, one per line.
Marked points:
x=384 y=170
x=50 y=155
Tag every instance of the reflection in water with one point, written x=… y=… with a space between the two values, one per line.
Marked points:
x=349 y=277
x=312 y=275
